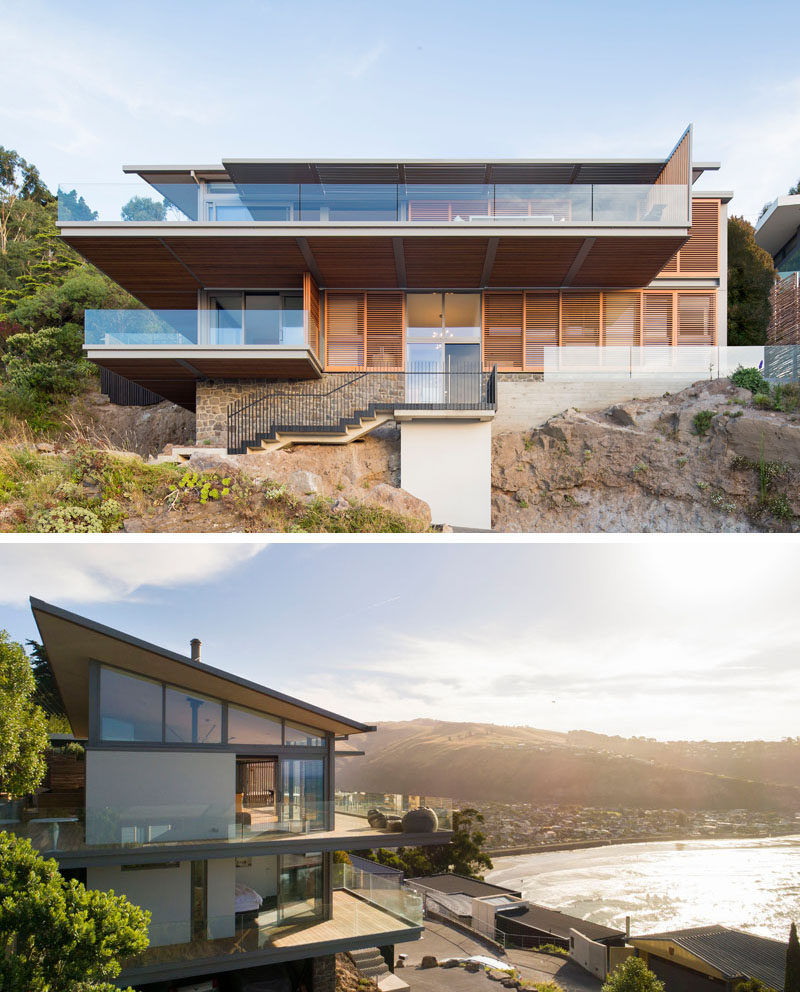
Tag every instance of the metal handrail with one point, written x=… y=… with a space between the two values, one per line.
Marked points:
x=274 y=410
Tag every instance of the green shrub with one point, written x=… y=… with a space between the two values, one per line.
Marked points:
x=751 y=379
x=764 y=401
x=69 y=520
x=47 y=363
x=702 y=421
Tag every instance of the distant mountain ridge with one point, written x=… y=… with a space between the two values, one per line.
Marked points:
x=486 y=762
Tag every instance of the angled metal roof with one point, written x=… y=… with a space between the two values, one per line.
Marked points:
x=71 y=641
x=779 y=223
x=451 y=883
x=557 y=923
x=734 y=953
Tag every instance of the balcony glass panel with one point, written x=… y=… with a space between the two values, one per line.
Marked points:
x=504 y=203
x=191 y=719
x=140 y=327
x=300 y=891
x=130 y=707
x=247 y=727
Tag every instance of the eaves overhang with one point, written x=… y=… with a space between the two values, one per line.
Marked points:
x=779 y=224
x=72 y=642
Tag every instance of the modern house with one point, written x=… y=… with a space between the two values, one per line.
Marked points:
x=291 y=301
x=208 y=800
x=778 y=232
x=712 y=959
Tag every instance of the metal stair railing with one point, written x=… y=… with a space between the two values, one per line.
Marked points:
x=362 y=395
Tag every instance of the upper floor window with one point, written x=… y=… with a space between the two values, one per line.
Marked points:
x=302 y=736
x=248 y=727
x=190 y=718
x=130 y=707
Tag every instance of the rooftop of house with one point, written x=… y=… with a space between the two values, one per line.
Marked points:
x=453 y=884
x=72 y=641
x=557 y=923
x=734 y=953
x=622 y=171
x=775 y=227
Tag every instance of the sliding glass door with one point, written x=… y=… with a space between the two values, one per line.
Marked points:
x=443 y=349
x=238 y=318
x=300 y=888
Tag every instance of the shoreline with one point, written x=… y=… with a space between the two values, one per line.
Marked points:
x=582 y=845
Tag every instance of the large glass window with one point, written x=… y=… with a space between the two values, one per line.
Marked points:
x=192 y=719
x=424 y=315
x=303 y=736
x=300 y=892
x=462 y=316
x=130 y=707
x=303 y=793
x=248 y=727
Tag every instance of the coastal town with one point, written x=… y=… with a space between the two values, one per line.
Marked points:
x=519 y=827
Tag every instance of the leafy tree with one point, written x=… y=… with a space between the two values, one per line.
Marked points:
x=45 y=694
x=751 y=276
x=58 y=936
x=753 y=985
x=464 y=855
x=632 y=975
x=66 y=301
x=19 y=181
x=74 y=207
x=143 y=208
x=791 y=982
x=795 y=190
x=23 y=726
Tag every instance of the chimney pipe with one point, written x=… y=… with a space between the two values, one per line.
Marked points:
x=627 y=927
x=195 y=646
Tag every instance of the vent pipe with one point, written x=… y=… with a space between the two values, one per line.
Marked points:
x=195 y=648
x=627 y=927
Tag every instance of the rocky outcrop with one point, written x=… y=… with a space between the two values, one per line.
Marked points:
x=651 y=466
x=143 y=429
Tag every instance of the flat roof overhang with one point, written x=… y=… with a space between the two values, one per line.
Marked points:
x=172 y=371
x=164 y=265
x=72 y=641
x=778 y=224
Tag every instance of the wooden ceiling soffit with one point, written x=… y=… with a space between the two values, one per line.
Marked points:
x=533 y=261
x=625 y=262
x=437 y=262
x=578 y=261
x=262 y=263
x=364 y=262
x=400 y=261
x=311 y=262
x=488 y=262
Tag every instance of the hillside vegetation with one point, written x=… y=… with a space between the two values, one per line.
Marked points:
x=484 y=762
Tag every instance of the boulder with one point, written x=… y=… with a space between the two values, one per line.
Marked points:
x=450 y=963
x=340 y=504
x=622 y=416
x=207 y=461
x=422 y=820
x=473 y=966
x=769 y=437
x=495 y=975
x=304 y=483
x=429 y=961
x=398 y=501
x=45 y=448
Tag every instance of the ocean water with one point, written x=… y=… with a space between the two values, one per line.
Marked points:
x=749 y=884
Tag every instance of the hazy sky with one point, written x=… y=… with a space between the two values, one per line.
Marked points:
x=90 y=86
x=687 y=639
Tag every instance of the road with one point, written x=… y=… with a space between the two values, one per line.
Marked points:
x=445 y=942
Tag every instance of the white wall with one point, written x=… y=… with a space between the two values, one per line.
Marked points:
x=164 y=891
x=221 y=892
x=589 y=954
x=261 y=874
x=448 y=463
x=193 y=793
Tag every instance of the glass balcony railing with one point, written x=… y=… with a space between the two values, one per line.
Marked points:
x=353 y=914
x=209 y=328
x=506 y=203
x=394 y=804
x=175 y=825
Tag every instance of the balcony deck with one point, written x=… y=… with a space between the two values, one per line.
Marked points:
x=354 y=923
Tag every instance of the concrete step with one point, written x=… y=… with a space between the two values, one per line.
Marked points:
x=370 y=962
x=391 y=983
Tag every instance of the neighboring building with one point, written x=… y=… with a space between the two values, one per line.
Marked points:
x=712 y=959
x=392 y=290
x=450 y=884
x=533 y=925
x=778 y=232
x=208 y=800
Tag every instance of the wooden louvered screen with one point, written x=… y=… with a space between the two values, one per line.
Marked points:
x=541 y=327
x=428 y=210
x=344 y=330
x=621 y=320
x=384 y=319
x=312 y=309
x=502 y=331
x=580 y=318
x=700 y=254
x=657 y=318
x=697 y=317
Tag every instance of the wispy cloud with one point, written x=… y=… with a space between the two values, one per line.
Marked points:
x=367 y=60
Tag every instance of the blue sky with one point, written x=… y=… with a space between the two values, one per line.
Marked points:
x=90 y=85
x=681 y=639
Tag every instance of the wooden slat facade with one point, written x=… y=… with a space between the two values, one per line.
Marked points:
x=700 y=255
